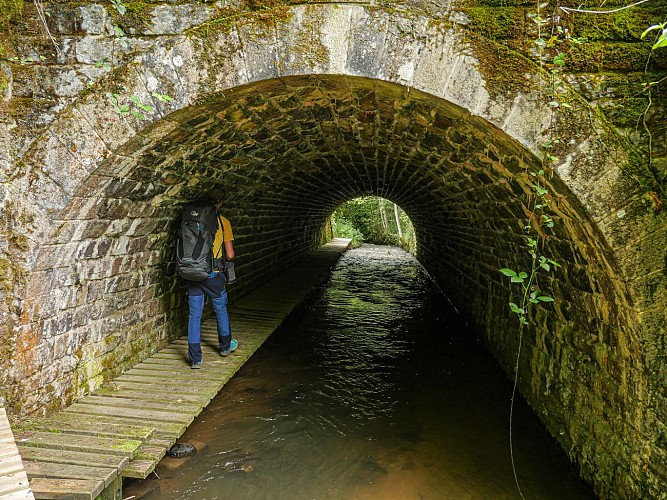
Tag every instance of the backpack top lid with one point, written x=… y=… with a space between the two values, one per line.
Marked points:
x=202 y=211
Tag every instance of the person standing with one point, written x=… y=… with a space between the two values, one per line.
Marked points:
x=215 y=288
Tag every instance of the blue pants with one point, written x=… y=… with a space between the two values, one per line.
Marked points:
x=196 y=303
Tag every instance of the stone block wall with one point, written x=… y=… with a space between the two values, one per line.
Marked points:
x=103 y=293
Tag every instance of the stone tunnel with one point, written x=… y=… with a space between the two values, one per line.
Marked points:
x=295 y=110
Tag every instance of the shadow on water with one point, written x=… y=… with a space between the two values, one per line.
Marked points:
x=374 y=389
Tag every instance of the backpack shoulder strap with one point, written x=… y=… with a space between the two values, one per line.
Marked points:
x=222 y=254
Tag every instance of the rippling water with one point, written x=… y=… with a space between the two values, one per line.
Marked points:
x=375 y=389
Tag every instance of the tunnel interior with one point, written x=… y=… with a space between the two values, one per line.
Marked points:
x=103 y=293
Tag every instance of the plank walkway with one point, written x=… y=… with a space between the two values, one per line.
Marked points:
x=13 y=478
x=127 y=426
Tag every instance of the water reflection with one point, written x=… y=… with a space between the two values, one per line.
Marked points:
x=374 y=389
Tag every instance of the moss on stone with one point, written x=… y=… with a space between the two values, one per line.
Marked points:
x=137 y=17
x=10 y=11
x=626 y=113
x=259 y=20
x=496 y=23
x=625 y=25
x=607 y=56
x=4 y=82
x=505 y=71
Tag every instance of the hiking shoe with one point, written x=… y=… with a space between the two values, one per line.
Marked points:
x=232 y=347
x=196 y=366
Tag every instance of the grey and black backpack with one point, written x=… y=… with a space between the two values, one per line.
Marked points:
x=195 y=240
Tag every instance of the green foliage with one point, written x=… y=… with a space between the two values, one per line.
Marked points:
x=662 y=36
x=10 y=11
x=119 y=6
x=162 y=97
x=135 y=107
x=540 y=221
x=373 y=220
x=343 y=229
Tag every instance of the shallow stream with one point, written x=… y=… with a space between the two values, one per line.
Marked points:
x=373 y=389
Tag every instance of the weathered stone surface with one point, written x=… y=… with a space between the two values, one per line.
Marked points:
x=437 y=114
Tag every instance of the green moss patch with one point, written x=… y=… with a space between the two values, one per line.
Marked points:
x=137 y=17
x=10 y=11
x=497 y=23
x=505 y=71
x=623 y=26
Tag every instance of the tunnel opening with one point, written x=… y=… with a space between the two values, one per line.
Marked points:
x=373 y=219
x=103 y=293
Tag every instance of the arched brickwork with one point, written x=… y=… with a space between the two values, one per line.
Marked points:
x=329 y=103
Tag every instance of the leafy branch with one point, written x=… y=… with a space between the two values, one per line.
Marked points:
x=662 y=36
x=529 y=291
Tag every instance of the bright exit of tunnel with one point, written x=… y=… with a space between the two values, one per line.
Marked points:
x=375 y=220
x=289 y=152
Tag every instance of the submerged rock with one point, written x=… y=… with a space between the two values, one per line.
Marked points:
x=181 y=450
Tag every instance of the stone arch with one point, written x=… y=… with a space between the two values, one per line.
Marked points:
x=252 y=103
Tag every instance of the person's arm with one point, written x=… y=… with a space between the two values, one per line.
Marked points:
x=229 y=249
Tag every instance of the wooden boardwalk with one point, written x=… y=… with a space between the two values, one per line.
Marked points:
x=127 y=426
x=13 y=479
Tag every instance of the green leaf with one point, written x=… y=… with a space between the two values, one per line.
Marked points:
x=545 y=266
x=507 y=272
x=118 y=5
x=661 y=43
x=540 y=190
x=516 y=279
x=651 y=28
x=162 y=97
x=516 y=309
x=523 y=275
x=545 y=298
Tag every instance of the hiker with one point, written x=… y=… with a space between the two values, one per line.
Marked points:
x=214 y=287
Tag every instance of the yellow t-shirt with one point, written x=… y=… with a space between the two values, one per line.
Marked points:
x=223 y=234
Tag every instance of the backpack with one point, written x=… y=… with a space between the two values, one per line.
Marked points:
x=195 y=240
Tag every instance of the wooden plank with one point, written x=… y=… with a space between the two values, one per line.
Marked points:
x=25 y=494
x=69 y=489
x=146 y=404
x=117 y=462
x=153 y=415
x=13 y=483
x=139 y=469
x=85 y=427
x=10 y=464
x=155 y=395
x=165 y=442
x=154 y=453
x=174 y=428
x=75 y=442
x=13 y=478
x=69 y=471
x=185 y=374
x=204 y=384
x=175 y=388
